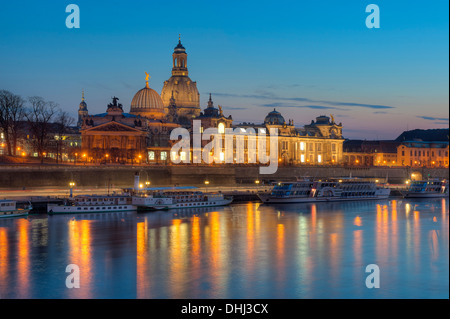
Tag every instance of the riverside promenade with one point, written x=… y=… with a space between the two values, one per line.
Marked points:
x=16 y=177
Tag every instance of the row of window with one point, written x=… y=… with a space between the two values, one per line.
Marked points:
x=98 y=208
x=424 y=153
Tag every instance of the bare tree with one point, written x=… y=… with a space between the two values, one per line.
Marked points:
x=62 y=124
x=39 y=116
x=12 y=113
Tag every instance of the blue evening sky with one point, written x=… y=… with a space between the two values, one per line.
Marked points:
x=306 y=58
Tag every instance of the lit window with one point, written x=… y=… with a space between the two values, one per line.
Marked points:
x=151 y=156
x=302 y=146
x=319 y=158
x=183 y=156
x=302 y=158
x=163 y=156
x=222 y=156
x=221 y=128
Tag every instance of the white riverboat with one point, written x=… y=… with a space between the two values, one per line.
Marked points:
x=82 y=204
x=306 y=191
x=163 y=200
x=427 y=189
x=9 y=208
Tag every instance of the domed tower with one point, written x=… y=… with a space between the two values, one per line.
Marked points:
x=274 y=118
x=147 y=103
x=82 y=110
x=181 y=88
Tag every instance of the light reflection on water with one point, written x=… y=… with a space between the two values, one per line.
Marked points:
x=242 y=251
x=299 y=251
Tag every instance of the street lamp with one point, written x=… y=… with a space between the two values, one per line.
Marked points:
x=71 y=184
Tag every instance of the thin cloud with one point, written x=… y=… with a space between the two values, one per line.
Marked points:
x=372 y=106
x=431 y=118
x=317 y=107
x=234 y=108
x=270 y=96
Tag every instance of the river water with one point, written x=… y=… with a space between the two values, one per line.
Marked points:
x=244 y=250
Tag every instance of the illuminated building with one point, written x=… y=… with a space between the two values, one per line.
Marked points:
x=180 y=88
x=318 y=143
x=423 y=154
x=395 y=153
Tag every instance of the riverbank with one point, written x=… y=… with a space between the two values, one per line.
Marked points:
x=29 y=176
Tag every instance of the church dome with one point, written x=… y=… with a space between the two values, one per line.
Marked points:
x=181 y=88
x=179 y=48
x=184 y=91
x=274 y=118
x=83 y=105
x=147 y=103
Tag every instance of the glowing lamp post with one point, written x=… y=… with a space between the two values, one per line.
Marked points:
x=71 y=184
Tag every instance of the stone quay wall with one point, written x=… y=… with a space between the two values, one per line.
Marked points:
x=19 y=177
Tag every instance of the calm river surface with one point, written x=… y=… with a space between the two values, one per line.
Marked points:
x=244 y=250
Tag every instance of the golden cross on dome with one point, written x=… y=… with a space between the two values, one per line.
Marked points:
x=179 y=36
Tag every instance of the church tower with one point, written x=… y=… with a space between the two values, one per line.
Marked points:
x=82 y=111
x=181 y=88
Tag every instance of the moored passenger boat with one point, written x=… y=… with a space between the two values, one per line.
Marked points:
x=427 y=189
x=344 y=189
x=9 y=208
x=175 y=199
x=93 y=204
